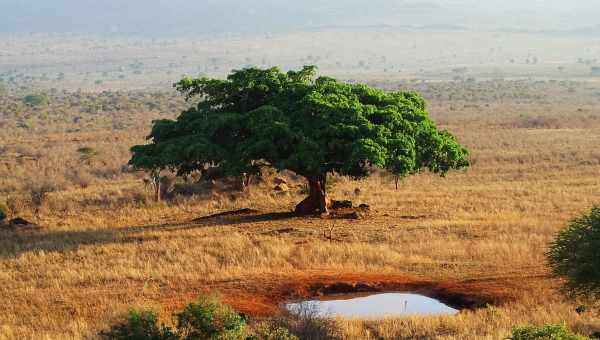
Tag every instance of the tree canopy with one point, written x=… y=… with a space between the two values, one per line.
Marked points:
x=296 y=121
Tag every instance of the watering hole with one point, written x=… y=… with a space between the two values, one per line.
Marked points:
x=374 y=306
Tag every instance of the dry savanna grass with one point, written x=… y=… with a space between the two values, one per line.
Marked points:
x=104 y=247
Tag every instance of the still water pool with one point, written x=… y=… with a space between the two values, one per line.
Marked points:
x=375 y=306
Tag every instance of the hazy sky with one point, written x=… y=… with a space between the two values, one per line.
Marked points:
x=180 y=16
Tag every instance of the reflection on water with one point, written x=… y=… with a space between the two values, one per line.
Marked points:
x=377 y=305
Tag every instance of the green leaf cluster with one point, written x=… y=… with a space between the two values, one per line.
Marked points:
x=549 y=332
x=208 y=318
x=139 y=325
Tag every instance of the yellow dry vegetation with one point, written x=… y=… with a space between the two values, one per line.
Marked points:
x=104 y=247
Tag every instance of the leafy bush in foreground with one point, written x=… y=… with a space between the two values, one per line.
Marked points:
x=208 y=318
x=574 y=256
x=139 y=325
x=550 y=332
x=205 y=319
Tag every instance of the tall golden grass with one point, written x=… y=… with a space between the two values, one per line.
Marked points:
x=105 y=247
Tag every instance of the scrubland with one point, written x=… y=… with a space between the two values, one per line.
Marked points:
x=104 y=246
x=111 y=61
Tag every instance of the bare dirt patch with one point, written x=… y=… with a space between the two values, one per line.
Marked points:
x=264 y=295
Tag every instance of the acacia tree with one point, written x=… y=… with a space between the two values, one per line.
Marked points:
x=295 y=121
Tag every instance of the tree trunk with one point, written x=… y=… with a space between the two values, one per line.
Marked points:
x=317 y=201
x=157 y=187
x=157 y=190
x=244 y=181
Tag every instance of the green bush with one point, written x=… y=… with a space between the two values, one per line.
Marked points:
x=550 y=332
x=206 y=319
x=574 y=256
x=209 y=319
x=87 y=153
x=139 y=326
x=36 y=99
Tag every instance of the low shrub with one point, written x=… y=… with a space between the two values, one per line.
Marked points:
x=87 y=154
x=36 y=99
x=549 y=332
x=139 y=325
x=268 y=331
x=207 y=319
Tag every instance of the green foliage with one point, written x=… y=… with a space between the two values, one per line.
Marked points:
x=264 y=117
x=550 y=332
x=206 y=319
x=574 y=256
x=36 y=99
x=139 y=326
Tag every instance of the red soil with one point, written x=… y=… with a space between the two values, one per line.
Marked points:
x=263 y=296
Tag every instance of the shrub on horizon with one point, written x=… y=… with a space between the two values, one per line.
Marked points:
x=36 y=99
